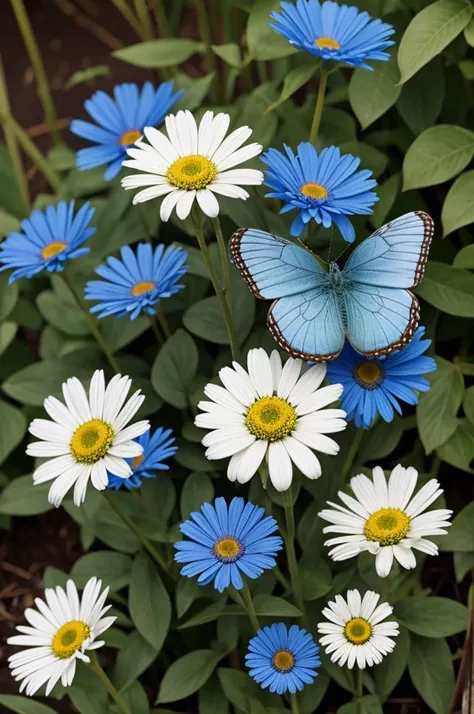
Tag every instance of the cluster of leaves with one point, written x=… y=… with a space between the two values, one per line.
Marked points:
x=410 y=129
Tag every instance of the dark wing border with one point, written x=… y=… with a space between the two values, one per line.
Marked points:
x=425 y=246
x=235 y=254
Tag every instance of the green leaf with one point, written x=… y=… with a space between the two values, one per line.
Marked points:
x=460 y=536
x=431 y=670
x=469 y=33
x=388 y=673
x=197 y=489
x=437 y=408
x=212 y=699
x=187 y=674
x=8 y=224
x=315 y=574
x=263 y=42
x=371 y=94
x=294 y=80
x=24 y=705
x=22 y=498
x=370 y=157
x=159 y=53
x=449 y=289
x=370 y=704
x=175 y=368
x=87 y=692
x=437 y=155
x=432 y=616
x=205 y=319
x=136 y=698
x=8 y=331
x=52 y=308
x=196 y=91
x=468 y=404
x=12 y=429
x=422 y=97
x=133 y=659
x=239 y=688
x=113 y=568
x=458 y=450
x=230 y=53
x=62 y=158
x=312 y=695
x=85 y=75
x=463 y=564
x=380 y=441
x=458 y=208
x=209 y=614
x=32 y=384
x=272 y=606
x=118 y=332
x=8 y=296
x=387 y=193
x=149 y=603
x=430 y=31
x=187 y=591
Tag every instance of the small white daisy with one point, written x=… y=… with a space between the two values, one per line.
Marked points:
x=356 y=633
x=383 y=520
x=270 y=412
x=62 y=629
x=193 y=163
x=87 y=437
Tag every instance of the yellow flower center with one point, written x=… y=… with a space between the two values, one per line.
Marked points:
x=91 y=441
x=144 y=287
x=358 y=631
x=387 y=526
x=52 y=249
x=283 y=660
x=271 y=418
x=191 y=172
x=314 y=190
x=69 y=638
x=369 y=375
x=130 y=137
x=228 y=549
x=327 y=43
x=137 y=461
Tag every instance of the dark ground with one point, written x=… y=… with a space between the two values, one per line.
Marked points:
x=74 y=36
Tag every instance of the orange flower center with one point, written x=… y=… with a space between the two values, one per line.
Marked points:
x=144 y=287
x=130 y=137
x=327 y=43
x=52 y=249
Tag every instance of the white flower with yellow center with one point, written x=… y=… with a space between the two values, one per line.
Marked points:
x=384 y=521
x=87 y=437
x=193 y=163
x=270 y=412
x=356 y=633
x=60 y=631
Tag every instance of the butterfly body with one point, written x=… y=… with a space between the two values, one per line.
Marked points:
x=368 y=301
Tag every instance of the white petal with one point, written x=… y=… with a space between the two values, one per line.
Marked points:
x=384 y=560
x=308 y=383
x=260 y=372
x=161 y=144
x=289 y=377
x=148 y=194
x=169 y=203
x=208 y=202
x=319 y=399
x=245 y=464
x=279 y=466
x=303 y=457
x=184 y=205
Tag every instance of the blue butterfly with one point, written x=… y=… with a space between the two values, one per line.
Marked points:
x=368 y=301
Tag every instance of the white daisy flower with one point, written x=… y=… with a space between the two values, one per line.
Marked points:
x=270 y=412
x=61 y=630
x=383 y=520
x=356 y=633
x=193 y=163
x=87 y=437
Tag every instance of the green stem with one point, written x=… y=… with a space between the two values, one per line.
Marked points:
x=249 y=606
x=291 y=553
x=228 y=319
x=154 y=327
x=225 y=263
x=96 y=667
x=161 y=19
x=129 y=15
x=92 y=324
x=155 y=554
x=318 y=110
x=175 y=13
x=205 y=34
x=294 y=704
x=144 y=19
x=359 y=685
x=385 y=589
x=36 y=60
x=164 y=323
x=11 y=142
x=351 y=454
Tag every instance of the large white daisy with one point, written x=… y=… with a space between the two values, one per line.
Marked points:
x=60 y=631
x=270 y=412
x=356 y=633
x=87 y=437
x=384 y=521
x=193 y=163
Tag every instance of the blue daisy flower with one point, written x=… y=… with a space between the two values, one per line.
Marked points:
x=226 y=540
x=49 y=239
x=121 y=122
x=333 y=32
x=325 y=187
x=156 y=449
x=135 y=283
x=283 y=660
x=375 y=386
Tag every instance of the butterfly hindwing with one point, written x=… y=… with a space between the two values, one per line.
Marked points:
x=395 y=255
x=308 y=325
x=274 y=267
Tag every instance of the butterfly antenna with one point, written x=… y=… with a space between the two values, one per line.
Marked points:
x=342 y=252
x=330 y=244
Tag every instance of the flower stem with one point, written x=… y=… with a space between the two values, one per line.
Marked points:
x=224 y=260
x=34 y=54
x=291 y=554
x=204 y=24
x=244 y=597
x=352 y=453
x=129 y=15
x=226 y=312
x=92 y=324
x=141 y=10
x=359 y=687
x=164 y=323
x=155 y=554
x=294 y=704
x=154 y=327
x=318 y=110
x=11 y=142
x=161 y=19
x=96 y=667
